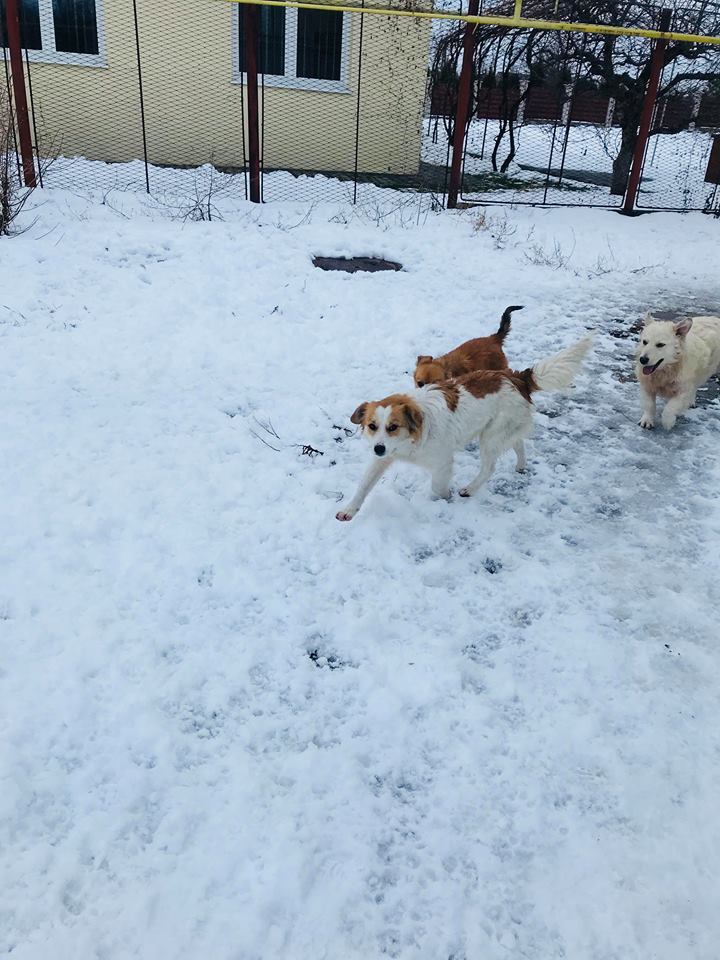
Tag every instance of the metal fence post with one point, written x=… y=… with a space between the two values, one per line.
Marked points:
x=653 y=84
x=250 y=24
x=462 y=109
x=12 y=21
x=142 y=97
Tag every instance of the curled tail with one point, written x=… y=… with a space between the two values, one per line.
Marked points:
x=504 y=328
x=558 y=371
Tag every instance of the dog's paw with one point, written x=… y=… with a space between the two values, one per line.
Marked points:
x=668 y=421
x=465 y=492
x=646 y=422
x=345 y=515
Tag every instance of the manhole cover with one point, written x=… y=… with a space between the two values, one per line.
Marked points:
x=354 y=264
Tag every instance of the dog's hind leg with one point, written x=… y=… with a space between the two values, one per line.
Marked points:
x=489 y=460
x=519 y=449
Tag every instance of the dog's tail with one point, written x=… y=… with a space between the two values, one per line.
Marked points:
x=559 y=371
x=504 y=328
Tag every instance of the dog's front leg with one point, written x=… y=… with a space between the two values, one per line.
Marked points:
x=647 y=420
x=676 y=406
x=441 y=476
x=373 y=473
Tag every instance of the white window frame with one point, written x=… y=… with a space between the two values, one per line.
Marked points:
x=49 y=54
x=290 y=78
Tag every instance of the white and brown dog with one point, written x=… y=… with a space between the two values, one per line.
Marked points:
x=426 y=427
x=672 y=361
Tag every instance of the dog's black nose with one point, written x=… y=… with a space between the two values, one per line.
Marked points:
x=644 y=361
x=380 y=449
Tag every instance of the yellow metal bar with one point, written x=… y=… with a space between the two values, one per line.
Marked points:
x=517 y=12
x=518 y=22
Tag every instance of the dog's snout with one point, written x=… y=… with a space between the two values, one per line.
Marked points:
x=644 y=360
x=380 y=449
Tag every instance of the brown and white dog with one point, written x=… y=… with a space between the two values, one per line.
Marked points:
x=426 y=427
x=482 y=353
x=672 y=361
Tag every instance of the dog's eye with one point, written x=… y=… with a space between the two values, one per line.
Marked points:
x=372 y=427
x=644 y=343
x=659 y=344
x=392 y=428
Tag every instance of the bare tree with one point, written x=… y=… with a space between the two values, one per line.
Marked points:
x=516 y=57
x=621 y=65
x=617 y=67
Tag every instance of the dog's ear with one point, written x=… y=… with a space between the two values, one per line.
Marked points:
x=413 y=418
x=682 y=329
x=359 y=414
x=648 y=318
x=423 y=358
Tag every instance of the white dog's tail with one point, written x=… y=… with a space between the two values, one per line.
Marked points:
x=558 y=372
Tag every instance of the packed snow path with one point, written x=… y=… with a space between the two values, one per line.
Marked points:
x=235 y=728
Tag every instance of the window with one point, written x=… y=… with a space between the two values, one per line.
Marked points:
x=271 y=41
x=59 y=31
x=29 y=24
x=319 y=44
x=296 y=48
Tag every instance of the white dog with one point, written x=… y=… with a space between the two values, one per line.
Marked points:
x=427 y=426
x=672 y=361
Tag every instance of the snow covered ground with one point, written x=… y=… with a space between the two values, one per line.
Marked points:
x=673 y=175
x=235 y=728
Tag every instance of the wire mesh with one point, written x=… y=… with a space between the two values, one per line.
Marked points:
x=345 y=117
x=555 y=118
x=675 y=167
x=535 y=136
x=153 y=95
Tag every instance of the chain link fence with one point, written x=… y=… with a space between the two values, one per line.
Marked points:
x=324 y=105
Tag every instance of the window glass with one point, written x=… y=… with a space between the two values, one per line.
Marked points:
x=319 y=44
x=75 y=26
x=271 y=40
x=29 y=24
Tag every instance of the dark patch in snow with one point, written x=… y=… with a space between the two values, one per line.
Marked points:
x=478 y=651
x=524 y=617
x=329 y=660
x=355 y=264
x=423 y=553
x=609 y=508
x=627 y=332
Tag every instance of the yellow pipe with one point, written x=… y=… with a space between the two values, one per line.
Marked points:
x=514 y=21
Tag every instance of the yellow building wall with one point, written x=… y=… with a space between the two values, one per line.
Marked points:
x=194 y=110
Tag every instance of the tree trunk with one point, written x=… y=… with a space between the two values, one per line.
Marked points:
x=623 y=161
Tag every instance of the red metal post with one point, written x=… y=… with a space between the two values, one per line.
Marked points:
x=463 y=108
x=250 y=23
x=656 y=69
x=712 y=174
x=12 y=25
